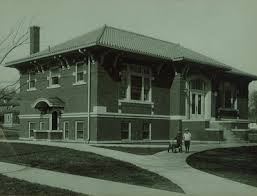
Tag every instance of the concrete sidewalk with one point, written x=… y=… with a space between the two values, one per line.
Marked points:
x=80 y=184
x=173 y=166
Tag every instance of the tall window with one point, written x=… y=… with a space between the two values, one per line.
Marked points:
x=146 y=133
x=32 y=80
x=54 y=78
x=80 y=73
x=41 y=126
x=66 y=129
x=136 y=87
x=79 y=126
x=32 y=127
x=136 y=83
x=125 y=130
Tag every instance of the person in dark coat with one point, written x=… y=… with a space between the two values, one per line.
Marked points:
x=179 y=139
x=178 y=144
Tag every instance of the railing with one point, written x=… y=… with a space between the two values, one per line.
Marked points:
x=228 y=113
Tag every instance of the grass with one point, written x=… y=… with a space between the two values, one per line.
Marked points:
x=135 y=150
x=83 y=164
x=12 y=186
x=238 y=163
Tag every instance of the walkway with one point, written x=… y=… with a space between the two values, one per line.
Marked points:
x=78 y=184
x=173 y=167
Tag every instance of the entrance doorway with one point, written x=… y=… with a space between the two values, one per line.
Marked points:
x=55 y=120
x=197 y=105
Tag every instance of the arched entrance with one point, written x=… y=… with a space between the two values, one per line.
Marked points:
x=51 y=106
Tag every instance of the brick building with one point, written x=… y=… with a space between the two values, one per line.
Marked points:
x=111 y=85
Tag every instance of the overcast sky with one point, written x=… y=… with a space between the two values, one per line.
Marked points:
x=225 y=30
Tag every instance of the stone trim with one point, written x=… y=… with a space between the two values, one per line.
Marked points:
x=107 y=115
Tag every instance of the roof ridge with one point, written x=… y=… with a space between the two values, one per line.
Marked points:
x=143 y=35
x=101 y=34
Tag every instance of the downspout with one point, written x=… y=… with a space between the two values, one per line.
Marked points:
x=88 y=97
x=88 y=92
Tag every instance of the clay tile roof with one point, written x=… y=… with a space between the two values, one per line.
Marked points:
x=126 y=41
x=123 y=40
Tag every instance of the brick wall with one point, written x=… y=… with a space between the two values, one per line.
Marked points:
x=110 y=128
x=74 y=96
x=177 y=96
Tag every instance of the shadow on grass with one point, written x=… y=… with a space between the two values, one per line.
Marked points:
x=237 y=163
x=12 y=186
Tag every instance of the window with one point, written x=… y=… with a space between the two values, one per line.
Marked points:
x=146 y=134
x=66 y=129
x=54 y=78
x=228 y=98
x=32 y=127
x=136 y=83
x=79 y=73
x=32 y=80
x=41 y=125
x=123 y=85
x=197 y=85
x=79 y=126
x=136 y=87
x=125 y=130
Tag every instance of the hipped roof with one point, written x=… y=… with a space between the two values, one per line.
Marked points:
x=119 y=39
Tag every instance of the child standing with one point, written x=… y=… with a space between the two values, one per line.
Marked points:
x=187 y=139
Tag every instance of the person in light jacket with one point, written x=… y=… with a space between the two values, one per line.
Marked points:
x=187 y=139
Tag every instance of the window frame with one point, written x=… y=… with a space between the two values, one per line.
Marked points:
x=41 y=125
x=149 y=131
x=75 y=74
x=50 y=78
x=129 y=131
x=76 y=130
x=129 y=73
x=29 y=87
x=66 y=124
x=29 y=124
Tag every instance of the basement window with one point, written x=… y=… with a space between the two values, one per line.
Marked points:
x=79 y=130
x=125 y=130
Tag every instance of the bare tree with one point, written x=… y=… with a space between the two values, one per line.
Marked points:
x=253 y=105
x=17 y=36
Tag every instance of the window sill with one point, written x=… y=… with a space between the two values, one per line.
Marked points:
x=79 y=83
x=53 y=86
x=31 y=89
x=135 y=101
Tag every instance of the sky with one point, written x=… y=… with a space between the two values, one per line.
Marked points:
x=225 y=30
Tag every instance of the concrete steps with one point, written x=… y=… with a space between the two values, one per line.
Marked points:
x=234 y=131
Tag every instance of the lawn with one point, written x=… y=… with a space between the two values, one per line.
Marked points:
x=238 y=163
x=82 y=163
x=135 y=150
x=12 y=186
